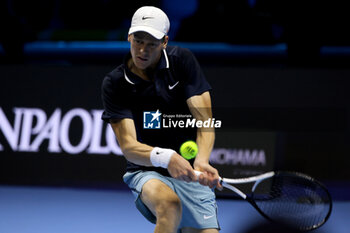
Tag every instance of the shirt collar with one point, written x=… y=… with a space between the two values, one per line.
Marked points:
x=164 y=61
x=134 y=79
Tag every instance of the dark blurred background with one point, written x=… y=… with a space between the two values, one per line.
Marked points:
x=305 y=27
x=279 y=70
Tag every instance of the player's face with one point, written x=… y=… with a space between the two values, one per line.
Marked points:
x=145 y=49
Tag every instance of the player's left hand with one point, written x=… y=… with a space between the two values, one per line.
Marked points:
x=209 y=177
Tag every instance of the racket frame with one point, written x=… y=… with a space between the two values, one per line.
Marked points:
x=227 y=183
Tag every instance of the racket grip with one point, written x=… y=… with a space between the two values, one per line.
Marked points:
x=198 y=173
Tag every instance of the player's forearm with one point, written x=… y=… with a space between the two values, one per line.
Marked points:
x=133 y=150
x=205 y=141
x=200 y=107
x=137 y=153
x=145 y=155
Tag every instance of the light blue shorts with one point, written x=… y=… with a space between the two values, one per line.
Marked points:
x=199 y=209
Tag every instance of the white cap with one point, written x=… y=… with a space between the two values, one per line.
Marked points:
x=151 y=20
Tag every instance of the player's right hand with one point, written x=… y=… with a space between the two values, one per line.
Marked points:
x=180 y=169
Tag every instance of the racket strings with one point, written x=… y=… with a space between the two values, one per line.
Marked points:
x=292 y=200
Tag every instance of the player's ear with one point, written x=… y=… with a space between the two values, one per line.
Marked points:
x=129 y=37
x=165 y=41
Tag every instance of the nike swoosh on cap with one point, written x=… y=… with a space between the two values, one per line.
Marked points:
x=147 y=17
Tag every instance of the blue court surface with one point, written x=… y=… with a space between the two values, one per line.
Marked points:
x=25 y=209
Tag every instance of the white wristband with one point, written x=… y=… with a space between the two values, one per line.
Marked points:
x=161 y=157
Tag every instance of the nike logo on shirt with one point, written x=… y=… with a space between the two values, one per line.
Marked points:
x=172 y=87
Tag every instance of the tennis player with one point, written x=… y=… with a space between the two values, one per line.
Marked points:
x=158 y=80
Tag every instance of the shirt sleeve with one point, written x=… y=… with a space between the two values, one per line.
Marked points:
x=195 y=83
x=112 y=99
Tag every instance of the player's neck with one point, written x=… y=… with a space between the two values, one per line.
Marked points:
x=145 y=74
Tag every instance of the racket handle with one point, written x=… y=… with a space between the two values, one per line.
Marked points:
x=198 y=173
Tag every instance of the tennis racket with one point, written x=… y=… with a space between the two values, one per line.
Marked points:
x=287 y=198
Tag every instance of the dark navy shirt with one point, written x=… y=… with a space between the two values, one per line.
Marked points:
x=177 y=77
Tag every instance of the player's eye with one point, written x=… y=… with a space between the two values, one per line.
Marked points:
x=153 y=45
x=137 y=41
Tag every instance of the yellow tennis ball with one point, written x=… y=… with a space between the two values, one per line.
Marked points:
x=189 y=150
